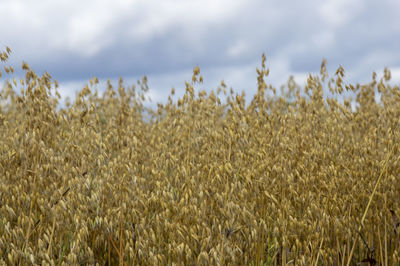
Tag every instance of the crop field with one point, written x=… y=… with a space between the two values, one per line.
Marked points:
x=292 y=178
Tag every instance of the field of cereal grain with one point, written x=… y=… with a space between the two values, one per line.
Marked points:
x=305 y=182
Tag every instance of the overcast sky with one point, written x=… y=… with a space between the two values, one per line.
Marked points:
x=76 y=40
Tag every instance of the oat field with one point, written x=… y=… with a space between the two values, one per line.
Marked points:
x=293 y=178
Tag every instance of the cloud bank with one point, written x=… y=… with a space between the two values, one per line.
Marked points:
x=76 y=40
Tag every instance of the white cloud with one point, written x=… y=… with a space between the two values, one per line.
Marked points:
x=395 y=75
x=338 y=13
x=85 y=31
x=192 y=18
x=323 y=39
x=165 y=39
x=237 y=49
x=88 y=27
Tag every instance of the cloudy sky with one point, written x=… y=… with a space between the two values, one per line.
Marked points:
x=76 y=40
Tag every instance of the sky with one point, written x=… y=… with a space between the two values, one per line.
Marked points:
x=164 y=40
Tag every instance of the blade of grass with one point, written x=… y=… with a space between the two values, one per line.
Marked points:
x=369 y=203
x=319 y=249
x=386 y=255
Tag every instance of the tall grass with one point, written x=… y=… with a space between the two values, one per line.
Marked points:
x=285 y=180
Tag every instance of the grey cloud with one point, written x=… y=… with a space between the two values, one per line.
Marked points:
x=294 y=35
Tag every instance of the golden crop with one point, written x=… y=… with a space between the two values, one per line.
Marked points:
x=296 y=179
